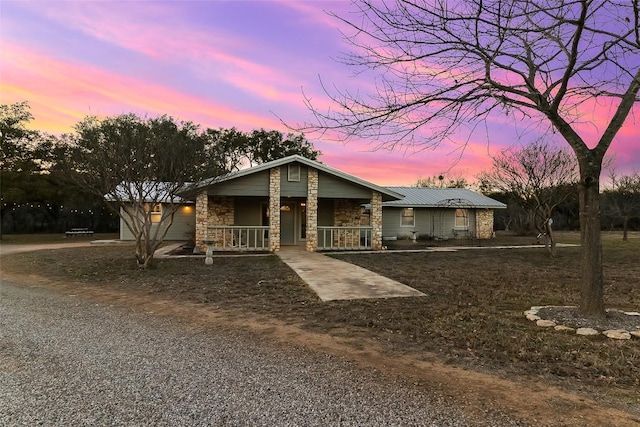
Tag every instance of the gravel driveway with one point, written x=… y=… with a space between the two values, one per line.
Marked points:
x=67 y=361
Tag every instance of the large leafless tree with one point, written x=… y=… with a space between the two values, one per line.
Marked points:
x=443 y=67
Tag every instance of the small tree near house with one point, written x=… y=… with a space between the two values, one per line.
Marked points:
x=622 y=199
x=539 y=178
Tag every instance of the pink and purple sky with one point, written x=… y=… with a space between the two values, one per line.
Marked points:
x=240 y=64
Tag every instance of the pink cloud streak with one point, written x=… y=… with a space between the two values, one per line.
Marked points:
x=70 y=90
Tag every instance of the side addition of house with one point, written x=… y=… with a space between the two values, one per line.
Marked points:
x=439 y=214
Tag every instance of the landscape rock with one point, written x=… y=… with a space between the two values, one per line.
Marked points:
x=545 y=323
x=635 y=333
x=617 y=334
x=533 y=317
x=586 y=331
x=563 y=328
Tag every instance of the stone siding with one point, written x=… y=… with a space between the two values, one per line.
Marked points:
x=312 y=210
x=346 y=213
x=274 y=209
x=202 y=201
x=484 y=223
x=375 y=220
x=220 y=211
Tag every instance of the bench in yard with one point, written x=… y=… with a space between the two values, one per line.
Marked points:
x=79 y=232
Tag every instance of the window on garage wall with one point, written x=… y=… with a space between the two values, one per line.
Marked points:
x=408 y=218
x=462 y=218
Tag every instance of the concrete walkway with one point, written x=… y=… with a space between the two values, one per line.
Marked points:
x=333 y=279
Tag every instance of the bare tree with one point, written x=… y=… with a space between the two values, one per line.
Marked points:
x=622 y=199
x=539 y=177
x=446 y=66
x=441 y=181
x=141 y=166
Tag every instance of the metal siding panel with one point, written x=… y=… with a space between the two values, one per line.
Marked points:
x=125 y=233
x=449 y=222
x=423 y=222
x=333 y=187
x=183 y=226
x=391 y=221
x=472 y=222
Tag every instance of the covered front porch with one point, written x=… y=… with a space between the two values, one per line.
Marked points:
x=287 y=202
x=340 y=225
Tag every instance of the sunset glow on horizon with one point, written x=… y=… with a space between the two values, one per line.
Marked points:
x=247 y=65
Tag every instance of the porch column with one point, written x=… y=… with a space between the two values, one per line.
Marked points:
x=202 y=212
x=274 y=209
x=376 y=221
x=312 y=210
x=484 y=223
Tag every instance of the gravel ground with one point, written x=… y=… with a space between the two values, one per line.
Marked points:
x=67 y=361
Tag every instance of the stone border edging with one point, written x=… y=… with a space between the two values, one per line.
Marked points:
x=618 y=334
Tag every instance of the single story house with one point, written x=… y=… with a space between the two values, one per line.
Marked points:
x=297 y=201
x=289 y=201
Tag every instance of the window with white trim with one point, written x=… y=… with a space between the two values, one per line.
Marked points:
x=155 y=211
x=462 y=218
x=293 y=172
x=408 y=218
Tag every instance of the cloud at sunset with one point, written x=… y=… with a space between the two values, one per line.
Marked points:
x=232 y=64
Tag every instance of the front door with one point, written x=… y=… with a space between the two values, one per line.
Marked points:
x=288 y=224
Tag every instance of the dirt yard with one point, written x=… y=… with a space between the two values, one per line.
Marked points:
x=467 y=338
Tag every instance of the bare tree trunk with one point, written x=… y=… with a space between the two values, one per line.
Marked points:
x=591 y=283
x=551 y=240
x=625 y=228
x=144 y=256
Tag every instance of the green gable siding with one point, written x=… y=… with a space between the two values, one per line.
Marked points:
x=256 y=184
x=293 y=188
x=334 y=187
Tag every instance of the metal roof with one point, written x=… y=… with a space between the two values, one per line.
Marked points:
x=415 y=197
x=387 y=193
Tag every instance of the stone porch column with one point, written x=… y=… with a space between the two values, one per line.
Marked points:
x=274 y=209
x=202 y=212
x=376 y=221
x=312 y=210
x=484 y=223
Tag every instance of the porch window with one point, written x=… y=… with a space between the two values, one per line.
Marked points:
x=294 y=172
x=408 y=218
x=155 y=211
x=462 y=218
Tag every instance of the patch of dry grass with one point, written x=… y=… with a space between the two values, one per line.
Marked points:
x=471 y=315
